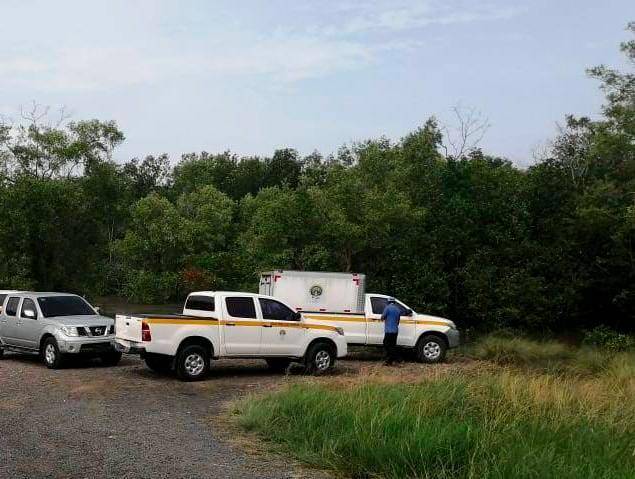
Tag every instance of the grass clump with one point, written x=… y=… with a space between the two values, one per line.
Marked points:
x=494 y=425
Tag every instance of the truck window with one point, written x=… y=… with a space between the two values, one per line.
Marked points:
x=275 y=310
x=12 y=306
x=2 y=298
x=241 y=307
x=200 y=303
x=28 y=304
x=379 y=304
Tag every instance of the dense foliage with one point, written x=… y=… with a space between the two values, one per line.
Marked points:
x=473 y=237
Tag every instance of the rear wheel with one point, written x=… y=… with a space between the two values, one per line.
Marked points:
x=110 y=359
x=159 y=364
x=192 y=363
x=431 y=349
x=51 y=354
x=320 y=358
x=1 y=352
x=278 y=365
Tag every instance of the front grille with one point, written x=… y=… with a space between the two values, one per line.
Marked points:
x=98 y=330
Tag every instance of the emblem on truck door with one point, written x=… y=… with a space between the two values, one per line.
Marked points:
x=316 y=291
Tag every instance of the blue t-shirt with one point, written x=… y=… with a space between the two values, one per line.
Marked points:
x=391 y=316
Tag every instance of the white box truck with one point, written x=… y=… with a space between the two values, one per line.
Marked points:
x=340 y=299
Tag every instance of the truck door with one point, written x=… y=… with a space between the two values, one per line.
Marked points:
x=375 y=305
x=10 y=322
x=30 y=325
x=281 y=331
x=242 y=330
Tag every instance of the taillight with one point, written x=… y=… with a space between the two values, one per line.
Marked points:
x=145 y=332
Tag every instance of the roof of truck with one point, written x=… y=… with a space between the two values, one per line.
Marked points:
x=39 y=293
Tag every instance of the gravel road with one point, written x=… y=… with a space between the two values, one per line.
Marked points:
x=87 y=421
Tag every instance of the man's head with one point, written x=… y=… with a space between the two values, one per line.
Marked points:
x=391 y=300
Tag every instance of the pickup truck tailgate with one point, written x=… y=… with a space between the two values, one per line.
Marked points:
x=128 y=327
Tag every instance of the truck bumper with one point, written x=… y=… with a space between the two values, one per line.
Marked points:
x=129 y=347
x=82 y=345
x=454 y=338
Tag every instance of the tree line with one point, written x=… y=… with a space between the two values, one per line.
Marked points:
x=469 y=236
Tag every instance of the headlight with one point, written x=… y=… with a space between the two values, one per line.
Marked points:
x=340 y=331
x=69 y=331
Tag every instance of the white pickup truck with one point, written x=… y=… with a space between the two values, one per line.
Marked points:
x=340 y=299
x=218 y=325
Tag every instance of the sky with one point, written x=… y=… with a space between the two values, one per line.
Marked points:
x=252 y=76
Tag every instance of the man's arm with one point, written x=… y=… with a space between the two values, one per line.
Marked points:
x=383 y=315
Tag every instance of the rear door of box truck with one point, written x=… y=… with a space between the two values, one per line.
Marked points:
x=316 y=291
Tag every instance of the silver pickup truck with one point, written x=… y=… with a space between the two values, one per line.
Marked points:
x=57 y=326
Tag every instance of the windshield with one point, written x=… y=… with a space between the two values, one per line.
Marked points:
x=52 y=306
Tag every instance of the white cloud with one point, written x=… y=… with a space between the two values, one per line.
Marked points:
x=401 y=15
x=317 y=47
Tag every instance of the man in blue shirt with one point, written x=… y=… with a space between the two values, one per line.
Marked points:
x=391 y=317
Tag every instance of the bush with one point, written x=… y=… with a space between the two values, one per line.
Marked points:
x=520 y=351
x=150 y=287
x=606 y=338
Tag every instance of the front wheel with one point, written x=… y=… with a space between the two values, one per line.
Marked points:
x=51 y=354
x=192 y=363
x=320 y=358
x=111 y=359
x=431 y=349
x=1 y=353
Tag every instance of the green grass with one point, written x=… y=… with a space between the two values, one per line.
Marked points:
x=505 y=423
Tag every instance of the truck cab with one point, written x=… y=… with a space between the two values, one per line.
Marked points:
x=223 y=324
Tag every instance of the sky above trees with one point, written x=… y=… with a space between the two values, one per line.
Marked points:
x=253 y=76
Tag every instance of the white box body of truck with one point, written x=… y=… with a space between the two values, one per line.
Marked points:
x=340 y=299
x=316 y=291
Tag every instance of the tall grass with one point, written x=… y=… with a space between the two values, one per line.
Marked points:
x=496 y=424
x=546 y=356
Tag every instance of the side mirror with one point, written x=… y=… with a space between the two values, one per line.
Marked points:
x=297 y=316
x=97 y=309
x=409 y=312
x=29 y=313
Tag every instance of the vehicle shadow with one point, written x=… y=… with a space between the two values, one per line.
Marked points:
x=69 y=362
x=222 y=369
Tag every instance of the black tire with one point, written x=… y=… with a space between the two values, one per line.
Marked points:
x=1 y=353
x=320 y=358
x=51 y=355
x=431 y=349
x=110 y=359
x=192 y=363
x=159 y=364
x=278 y=365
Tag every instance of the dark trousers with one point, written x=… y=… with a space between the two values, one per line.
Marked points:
x=390 y=345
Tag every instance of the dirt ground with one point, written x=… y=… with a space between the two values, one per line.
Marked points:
x=87 y=421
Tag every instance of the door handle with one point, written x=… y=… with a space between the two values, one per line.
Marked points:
x=267 y=326
x=230 y=324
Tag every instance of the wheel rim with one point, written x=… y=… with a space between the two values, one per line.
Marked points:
x=431 y=350
x=194 y=364
x=49 y=353
x=322 y=360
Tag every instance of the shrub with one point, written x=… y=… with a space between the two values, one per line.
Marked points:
x=150 y=287
x=606 y=338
